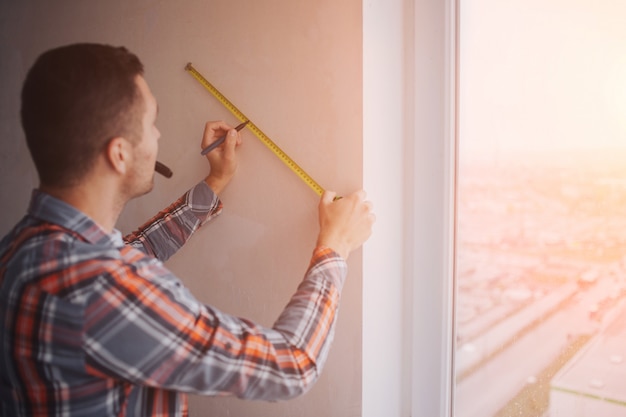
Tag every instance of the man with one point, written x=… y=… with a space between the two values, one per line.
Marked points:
x=92 y=324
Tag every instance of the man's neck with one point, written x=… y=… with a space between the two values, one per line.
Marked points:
x=101 y=203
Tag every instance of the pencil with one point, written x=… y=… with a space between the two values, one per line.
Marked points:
x=163 y=170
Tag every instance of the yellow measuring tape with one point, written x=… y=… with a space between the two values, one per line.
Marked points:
x=257 y=132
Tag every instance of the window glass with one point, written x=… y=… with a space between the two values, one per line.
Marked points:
x=540 y=300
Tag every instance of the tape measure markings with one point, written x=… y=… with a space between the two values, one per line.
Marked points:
x=256 y=131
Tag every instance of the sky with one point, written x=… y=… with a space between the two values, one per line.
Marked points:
x=542 y=75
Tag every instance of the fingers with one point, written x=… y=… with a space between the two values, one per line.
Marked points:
x=367 y=210
x=230 y=144
x=370 y=213
x=213 y=131
x=233 y=138
x=346 y=223
x=328 y=196
x=360 y=195
x=359 y=200
x=223 y=158
x=219 y=125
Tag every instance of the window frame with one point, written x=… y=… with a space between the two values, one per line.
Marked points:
x=408 y=265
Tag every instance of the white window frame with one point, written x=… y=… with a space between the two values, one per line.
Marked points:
x=410 y=131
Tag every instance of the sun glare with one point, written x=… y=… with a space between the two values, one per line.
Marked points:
x=615 y=95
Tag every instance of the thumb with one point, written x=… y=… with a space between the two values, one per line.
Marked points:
x=328 y=197
x=231 y=142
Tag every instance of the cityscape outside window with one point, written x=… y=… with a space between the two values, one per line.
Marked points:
x=540 y=303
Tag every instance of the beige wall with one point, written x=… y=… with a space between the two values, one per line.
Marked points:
x=295 y=68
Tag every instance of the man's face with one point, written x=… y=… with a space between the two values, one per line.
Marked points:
x=141 y=175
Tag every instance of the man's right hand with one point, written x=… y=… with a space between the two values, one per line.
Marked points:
x=346 y=223
x=223 y=159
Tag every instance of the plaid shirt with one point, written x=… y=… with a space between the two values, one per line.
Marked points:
x=92 y=324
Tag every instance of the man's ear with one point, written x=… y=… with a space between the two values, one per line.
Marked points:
x=118 y=154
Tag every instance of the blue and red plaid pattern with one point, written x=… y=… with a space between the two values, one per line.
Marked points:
x=93 y=324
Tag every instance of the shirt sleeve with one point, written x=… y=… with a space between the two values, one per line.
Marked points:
x=168 y=231
x=154 y=332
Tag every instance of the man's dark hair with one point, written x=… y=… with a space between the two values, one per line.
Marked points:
x=75 y=99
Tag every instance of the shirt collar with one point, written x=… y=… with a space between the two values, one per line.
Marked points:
x=45 y=207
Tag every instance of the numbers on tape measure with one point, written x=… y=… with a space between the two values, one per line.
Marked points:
x=257 y=132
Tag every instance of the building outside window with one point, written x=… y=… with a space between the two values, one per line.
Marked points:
x=540 y=313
